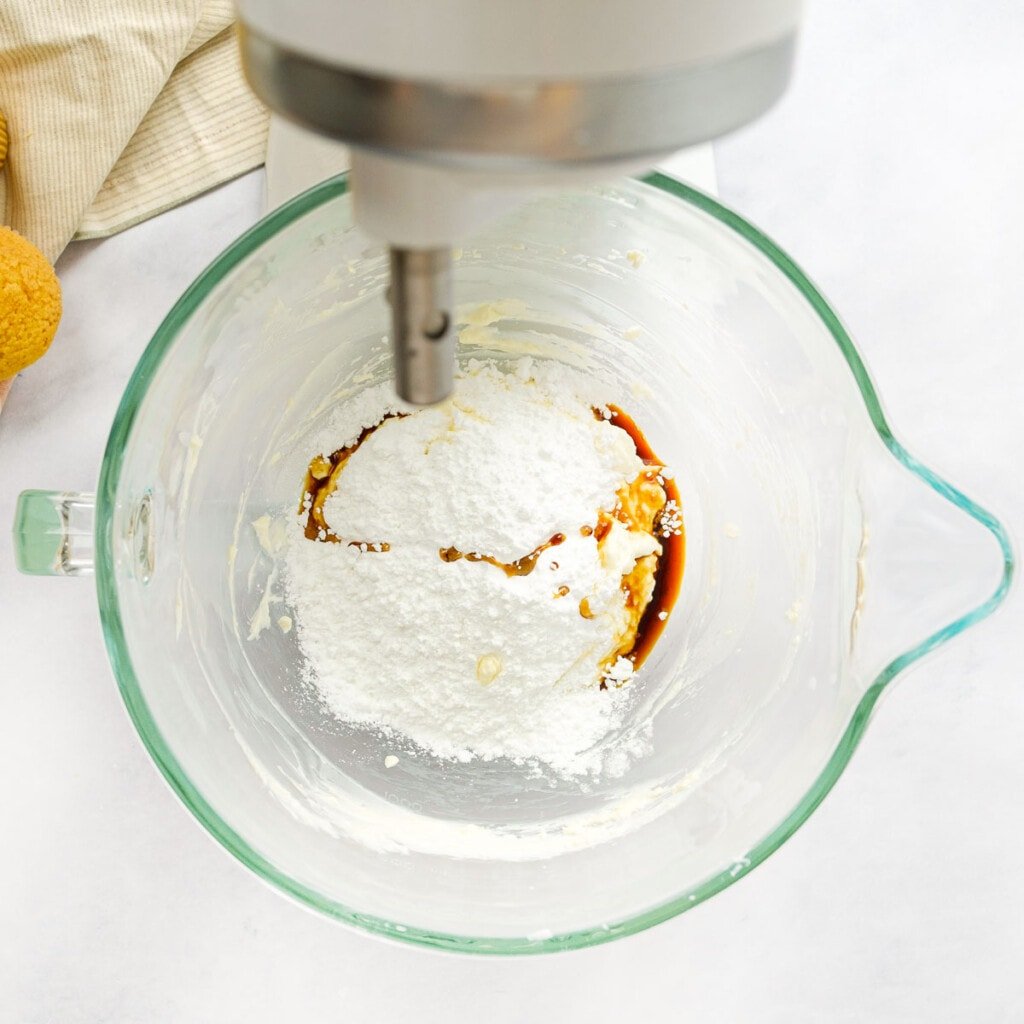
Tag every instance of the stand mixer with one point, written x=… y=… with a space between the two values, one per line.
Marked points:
x=823 y=559
x=458 y=110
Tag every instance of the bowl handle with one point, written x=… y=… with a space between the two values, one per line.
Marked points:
x=53 y=533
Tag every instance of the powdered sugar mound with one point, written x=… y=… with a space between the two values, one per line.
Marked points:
x=507 y=468
x=461 y=658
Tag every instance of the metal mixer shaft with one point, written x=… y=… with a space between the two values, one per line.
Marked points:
x=423 y=335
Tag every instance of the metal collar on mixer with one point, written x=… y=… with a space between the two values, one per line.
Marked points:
x=542 y=122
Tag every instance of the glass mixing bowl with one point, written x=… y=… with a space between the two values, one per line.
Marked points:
x=822 y=560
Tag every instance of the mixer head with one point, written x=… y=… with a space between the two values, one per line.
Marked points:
x=460 y=109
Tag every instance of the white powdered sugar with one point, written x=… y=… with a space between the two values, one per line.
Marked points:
x=457 y=656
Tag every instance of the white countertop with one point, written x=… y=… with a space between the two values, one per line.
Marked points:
x=894 y=173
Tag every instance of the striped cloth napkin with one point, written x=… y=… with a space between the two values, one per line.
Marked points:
x=117 y=110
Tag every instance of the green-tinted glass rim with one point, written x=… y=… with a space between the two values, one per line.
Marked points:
x=235 y=844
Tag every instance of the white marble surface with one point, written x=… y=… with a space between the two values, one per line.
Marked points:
x=893 y=172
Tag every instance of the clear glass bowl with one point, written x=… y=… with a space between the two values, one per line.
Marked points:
x=822 y=560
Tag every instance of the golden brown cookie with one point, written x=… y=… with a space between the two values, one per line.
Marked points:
x=29 y=303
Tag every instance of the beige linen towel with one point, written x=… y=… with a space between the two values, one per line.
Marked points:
x=118 y=109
